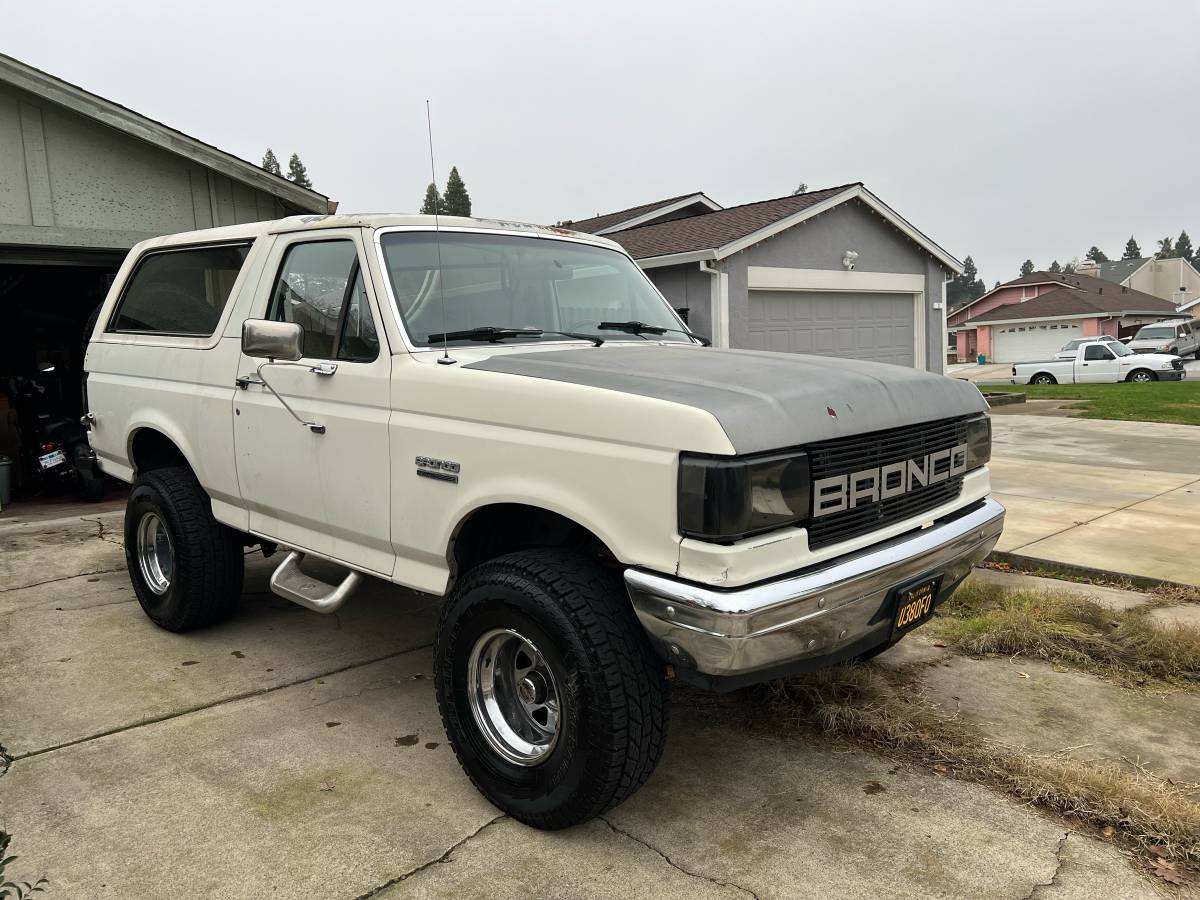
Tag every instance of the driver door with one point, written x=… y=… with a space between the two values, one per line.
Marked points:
x=1099 y=364
x=327 y=492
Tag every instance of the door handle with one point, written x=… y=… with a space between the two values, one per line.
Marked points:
x=244 y=381
x=325 y=369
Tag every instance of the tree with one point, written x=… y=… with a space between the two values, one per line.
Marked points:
x=801 y=188
x=1069 y=268
x=270 y=163
x=456 y=201
x=1027 y=267
x=1183 y=247
x=297 y=173
x=433 y=202
x=1166 y=250
x=1132 y=250
x=1055 y=267
x=965 y=287
x=1096 y=255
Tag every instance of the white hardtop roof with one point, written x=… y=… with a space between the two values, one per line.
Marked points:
x=252 y=230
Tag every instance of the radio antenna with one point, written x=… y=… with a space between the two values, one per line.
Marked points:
x=445 y=358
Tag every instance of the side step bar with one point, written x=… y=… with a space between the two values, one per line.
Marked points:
x=319 y=596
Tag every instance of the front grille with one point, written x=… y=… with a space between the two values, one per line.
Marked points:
x=867 y=451
x=1177 y=363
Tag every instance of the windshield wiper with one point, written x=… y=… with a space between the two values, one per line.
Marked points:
x=493 y=334
x=641 y=328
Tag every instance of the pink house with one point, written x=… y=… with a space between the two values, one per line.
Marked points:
x=1033 y=316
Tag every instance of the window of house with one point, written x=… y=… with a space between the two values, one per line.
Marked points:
x=179 y=292
x=321 y=288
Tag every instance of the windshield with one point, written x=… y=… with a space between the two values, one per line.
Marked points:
x=1156 y=333
x=513 y=282
x=1119 y=348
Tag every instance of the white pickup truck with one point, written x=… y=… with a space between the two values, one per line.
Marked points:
x=1102 y=361
x=513 y=417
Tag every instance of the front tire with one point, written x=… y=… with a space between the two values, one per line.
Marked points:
x=1141 y=376
x=551 y=696
x=186 y=567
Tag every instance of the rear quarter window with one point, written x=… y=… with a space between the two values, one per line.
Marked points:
x=179 y=292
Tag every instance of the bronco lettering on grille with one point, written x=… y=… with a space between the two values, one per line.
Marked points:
x=839 y=493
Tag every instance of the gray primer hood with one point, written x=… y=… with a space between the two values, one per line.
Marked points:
x=764 y=401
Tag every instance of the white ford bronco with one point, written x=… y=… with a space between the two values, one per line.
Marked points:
x=513 y=417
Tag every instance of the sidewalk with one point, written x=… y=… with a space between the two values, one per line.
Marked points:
x=1118 y=496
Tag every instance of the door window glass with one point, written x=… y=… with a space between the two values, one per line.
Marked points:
x=320 y=288
x=1096 y=351
x=359 y=342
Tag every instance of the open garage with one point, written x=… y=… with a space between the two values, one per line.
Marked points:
x=83 y=179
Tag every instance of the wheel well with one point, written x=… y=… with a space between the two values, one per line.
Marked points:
x=492 y=531
x=1040 y=374
x=154 y=450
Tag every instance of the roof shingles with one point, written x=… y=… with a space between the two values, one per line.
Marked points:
x=718 y=228
x=600 y=222
x=1076 y=301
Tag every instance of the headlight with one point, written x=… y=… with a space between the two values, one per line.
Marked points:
x=979 y=441
x=725 y=498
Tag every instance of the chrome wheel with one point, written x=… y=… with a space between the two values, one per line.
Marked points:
x=513 y=696
x=156 y=556
x=1142 y=376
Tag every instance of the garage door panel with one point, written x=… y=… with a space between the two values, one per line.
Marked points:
x=876 y=327
x=1031 y=341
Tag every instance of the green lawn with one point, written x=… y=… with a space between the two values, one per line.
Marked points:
x=1158 y=401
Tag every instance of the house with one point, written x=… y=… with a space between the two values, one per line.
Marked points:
x=1031 y=317
x=82 y=179
x=834 y=272
x=1175 y=280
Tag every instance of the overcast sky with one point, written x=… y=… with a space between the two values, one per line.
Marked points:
x=1003 y=130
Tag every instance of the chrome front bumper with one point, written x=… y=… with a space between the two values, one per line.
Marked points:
x=816 y=617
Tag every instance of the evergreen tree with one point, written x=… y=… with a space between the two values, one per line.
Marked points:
x=1183 y=247
x=1027 y=267
x=297 y=173
x=1096 y=255
x=456 y=201
x=801 y=188
x=433 y=202
x=1132 y=250
x=270 y=163
x=1055 y=267
x=965 y=287
x=1069 y=268
x=1166 y=250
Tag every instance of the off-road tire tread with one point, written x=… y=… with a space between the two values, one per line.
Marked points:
x=209 y=562
x=635 y=688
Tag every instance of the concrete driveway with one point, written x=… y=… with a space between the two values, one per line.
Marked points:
x=1119 y=496
x=287 y=754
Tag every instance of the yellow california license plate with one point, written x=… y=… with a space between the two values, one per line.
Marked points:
x=914 y=604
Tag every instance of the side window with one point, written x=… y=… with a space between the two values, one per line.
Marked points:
x=1097 y=351
x=321 y=288
x=179 y=292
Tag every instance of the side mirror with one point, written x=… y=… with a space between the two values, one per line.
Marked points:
x=272 y=340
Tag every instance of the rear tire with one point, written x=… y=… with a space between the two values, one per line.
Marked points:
x=1043 y=378
x=186 y=567
x=578 y=639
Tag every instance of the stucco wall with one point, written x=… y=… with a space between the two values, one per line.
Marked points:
x=69 y=181
x=820 y=243
x=686 y=285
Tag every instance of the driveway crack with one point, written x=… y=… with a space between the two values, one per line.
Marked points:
x=674 y=865
x=444 y=858
x=25 y=587
x=1058 y=855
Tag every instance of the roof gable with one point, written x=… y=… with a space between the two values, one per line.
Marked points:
x=638 y=215
x=123 y=119
x=723 y=232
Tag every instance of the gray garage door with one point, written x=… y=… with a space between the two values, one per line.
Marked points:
x=877 y=327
